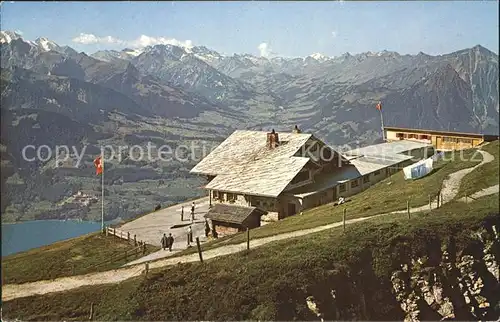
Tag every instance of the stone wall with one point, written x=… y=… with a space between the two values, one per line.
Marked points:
x=225 y=230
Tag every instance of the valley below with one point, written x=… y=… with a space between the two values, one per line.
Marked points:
x=187 y=100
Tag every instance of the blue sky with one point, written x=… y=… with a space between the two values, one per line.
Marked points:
x=286 y=28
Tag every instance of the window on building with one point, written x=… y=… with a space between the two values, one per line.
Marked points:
x=376 y=173
x=450 y=139
x=300 y=177
x=400 y=136
x=467 y=141
x=215 y=194
x=424 y=137
x=231 y=197
x=366 y=178
x=342 y=187
x=354 y=183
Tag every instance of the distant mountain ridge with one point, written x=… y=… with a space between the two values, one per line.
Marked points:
x=178 y=95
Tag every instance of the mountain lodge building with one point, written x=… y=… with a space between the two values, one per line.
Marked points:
x=285 y=173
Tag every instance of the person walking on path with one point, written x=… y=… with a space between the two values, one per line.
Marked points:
x=164 y=242
x=207 y=228
x=170 y=241
x=182 y=213
x=192 y=211
x=190 y=233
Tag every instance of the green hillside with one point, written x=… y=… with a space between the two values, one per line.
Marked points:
x=75 y=256
x=272 y=282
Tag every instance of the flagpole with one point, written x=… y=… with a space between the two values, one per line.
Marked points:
x=102 y=197
x=382 y=122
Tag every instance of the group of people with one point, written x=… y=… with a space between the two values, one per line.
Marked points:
x=168 y=241
x=192 y=212
x=190 y=232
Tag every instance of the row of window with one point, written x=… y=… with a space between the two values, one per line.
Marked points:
x=428 y=137
x=231 y=197
x=366 y=179
x=413 y=136
x=265 y=204
x=456 y=140
x=217 y=195
x=355 y=183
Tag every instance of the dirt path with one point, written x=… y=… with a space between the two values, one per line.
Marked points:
x=13 y=291
x=481 y=193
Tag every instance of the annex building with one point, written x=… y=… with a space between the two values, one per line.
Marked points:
x=441 y=140
x=271 y=176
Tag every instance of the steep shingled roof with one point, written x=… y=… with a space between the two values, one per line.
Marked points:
x=243 y=163
x=244 y=147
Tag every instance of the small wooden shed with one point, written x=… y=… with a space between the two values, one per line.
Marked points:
x=229 y=219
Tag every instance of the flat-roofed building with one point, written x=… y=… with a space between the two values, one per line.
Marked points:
x=441 y=140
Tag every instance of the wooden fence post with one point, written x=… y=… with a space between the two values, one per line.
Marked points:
x=91 y=316
x=343 y=218
x=199 y=248
x=430 y=205
x=107 y=231
x=144 y=249
x=248 y=238
x=135 y=240
x=128 y=236
x=408 y=208
x=146 y=269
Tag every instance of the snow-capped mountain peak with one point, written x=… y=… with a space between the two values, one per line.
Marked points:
x=46 y=44
x=6 y=36
x=205 y=54
x=319 y=57
x=132 y=52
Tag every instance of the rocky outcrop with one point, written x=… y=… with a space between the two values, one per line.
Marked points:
x=461 y=286
x=442 y=283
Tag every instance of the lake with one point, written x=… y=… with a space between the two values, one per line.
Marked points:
x=22 y=236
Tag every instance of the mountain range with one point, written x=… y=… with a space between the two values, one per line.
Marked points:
x=165 y=94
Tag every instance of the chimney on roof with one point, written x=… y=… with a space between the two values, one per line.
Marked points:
x=296 y=129
x=272 y=139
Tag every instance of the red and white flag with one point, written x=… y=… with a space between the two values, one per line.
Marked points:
x=379 y=106
x=99 y=165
